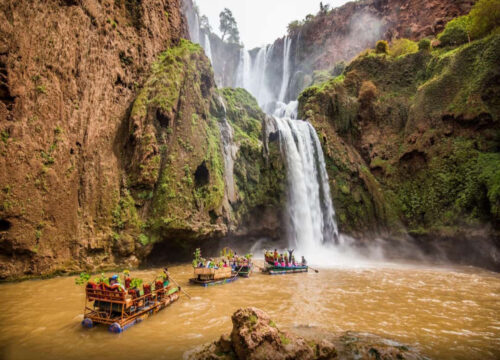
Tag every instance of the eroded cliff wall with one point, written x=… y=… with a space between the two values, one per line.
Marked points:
x=69 y=73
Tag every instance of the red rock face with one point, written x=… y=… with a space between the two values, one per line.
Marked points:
x=69 y=72
x=347 y=30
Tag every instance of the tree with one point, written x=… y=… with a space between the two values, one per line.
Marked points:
x=456 y=32
x=485 y=16
x=205 y=24
x=381 y=47
x=323 y=9
x=228 y=26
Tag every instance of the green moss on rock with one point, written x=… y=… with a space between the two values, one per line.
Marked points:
x=424 y=151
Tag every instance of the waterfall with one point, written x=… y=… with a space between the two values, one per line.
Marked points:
x=207 y=47
x=244 y=70
x=310 y=210
x=286 y=68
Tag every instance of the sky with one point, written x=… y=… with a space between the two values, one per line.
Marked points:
x=261 y=21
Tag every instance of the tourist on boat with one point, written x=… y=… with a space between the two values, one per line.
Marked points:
x=275 y=254
x=290 y=254
x=304 y=262
x=114 y=282
x=293 y=261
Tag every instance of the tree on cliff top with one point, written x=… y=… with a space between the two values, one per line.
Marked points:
x=228 y=26
x=205 y=24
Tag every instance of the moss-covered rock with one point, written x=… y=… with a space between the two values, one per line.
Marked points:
x=422 y=150
x=259 y=175
x=176 y=170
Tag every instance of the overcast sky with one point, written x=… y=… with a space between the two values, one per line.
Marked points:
x=261 y=21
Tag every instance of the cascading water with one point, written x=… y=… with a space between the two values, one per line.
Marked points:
x=286 y=69
x=244 y=70
x=207 y=47
x=310 y=210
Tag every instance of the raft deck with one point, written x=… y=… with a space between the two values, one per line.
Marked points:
x=120 y=311
x=206 y=283
x=281 y=270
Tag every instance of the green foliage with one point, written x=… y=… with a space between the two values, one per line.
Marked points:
x=125 y=213
x=228 y=26
x=424 y=45
x=294 y=26
x=143 y=239
x=456 y=32
x=41 y=89
x=284 y=339
x=4 y=135
x=82 y=279
x=382 y=47
x=485 y=17
x=401 y=47
x=197 y=257
x=136 y=283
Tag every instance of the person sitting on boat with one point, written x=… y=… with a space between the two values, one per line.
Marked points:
x=304 y=262
x=293 y=261
x=290 y=254
x=115 y=284
x=126 y=279
x=275 y=254
x=225 y=263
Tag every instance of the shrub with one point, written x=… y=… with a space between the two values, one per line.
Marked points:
x=402 y=47
x=424 y=45
x=339 y=68
x=484 y=17
x=456 y=32
x=367 y=92
x=382 y=47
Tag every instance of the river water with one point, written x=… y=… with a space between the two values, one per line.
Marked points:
x=446 y=313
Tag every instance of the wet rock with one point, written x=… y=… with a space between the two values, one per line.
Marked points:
x=255 y=336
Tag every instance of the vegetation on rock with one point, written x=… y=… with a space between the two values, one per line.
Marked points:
x=413 y=140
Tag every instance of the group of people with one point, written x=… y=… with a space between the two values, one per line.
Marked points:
x=287 y=259
x=234 y=262
x=161 y=281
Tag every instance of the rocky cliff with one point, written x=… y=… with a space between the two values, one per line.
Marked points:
x=111 y=149
x=412 y=142
x=321 y=41
x=70 y=71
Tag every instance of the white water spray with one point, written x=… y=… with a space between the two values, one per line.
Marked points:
x=286 y=69
x=208 y=48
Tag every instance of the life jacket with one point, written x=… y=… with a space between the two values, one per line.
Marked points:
x=147 y=289
x=127 y=282
x=158 y=285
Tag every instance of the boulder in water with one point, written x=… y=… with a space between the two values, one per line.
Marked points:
x=256 y=337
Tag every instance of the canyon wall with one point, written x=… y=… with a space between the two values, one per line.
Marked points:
x=111 y=151
x=412 y=145
x=70 y=71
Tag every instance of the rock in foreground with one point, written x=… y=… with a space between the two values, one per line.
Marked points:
x=255 y=336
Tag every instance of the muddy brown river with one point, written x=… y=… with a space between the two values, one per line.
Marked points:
x=446 y=313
